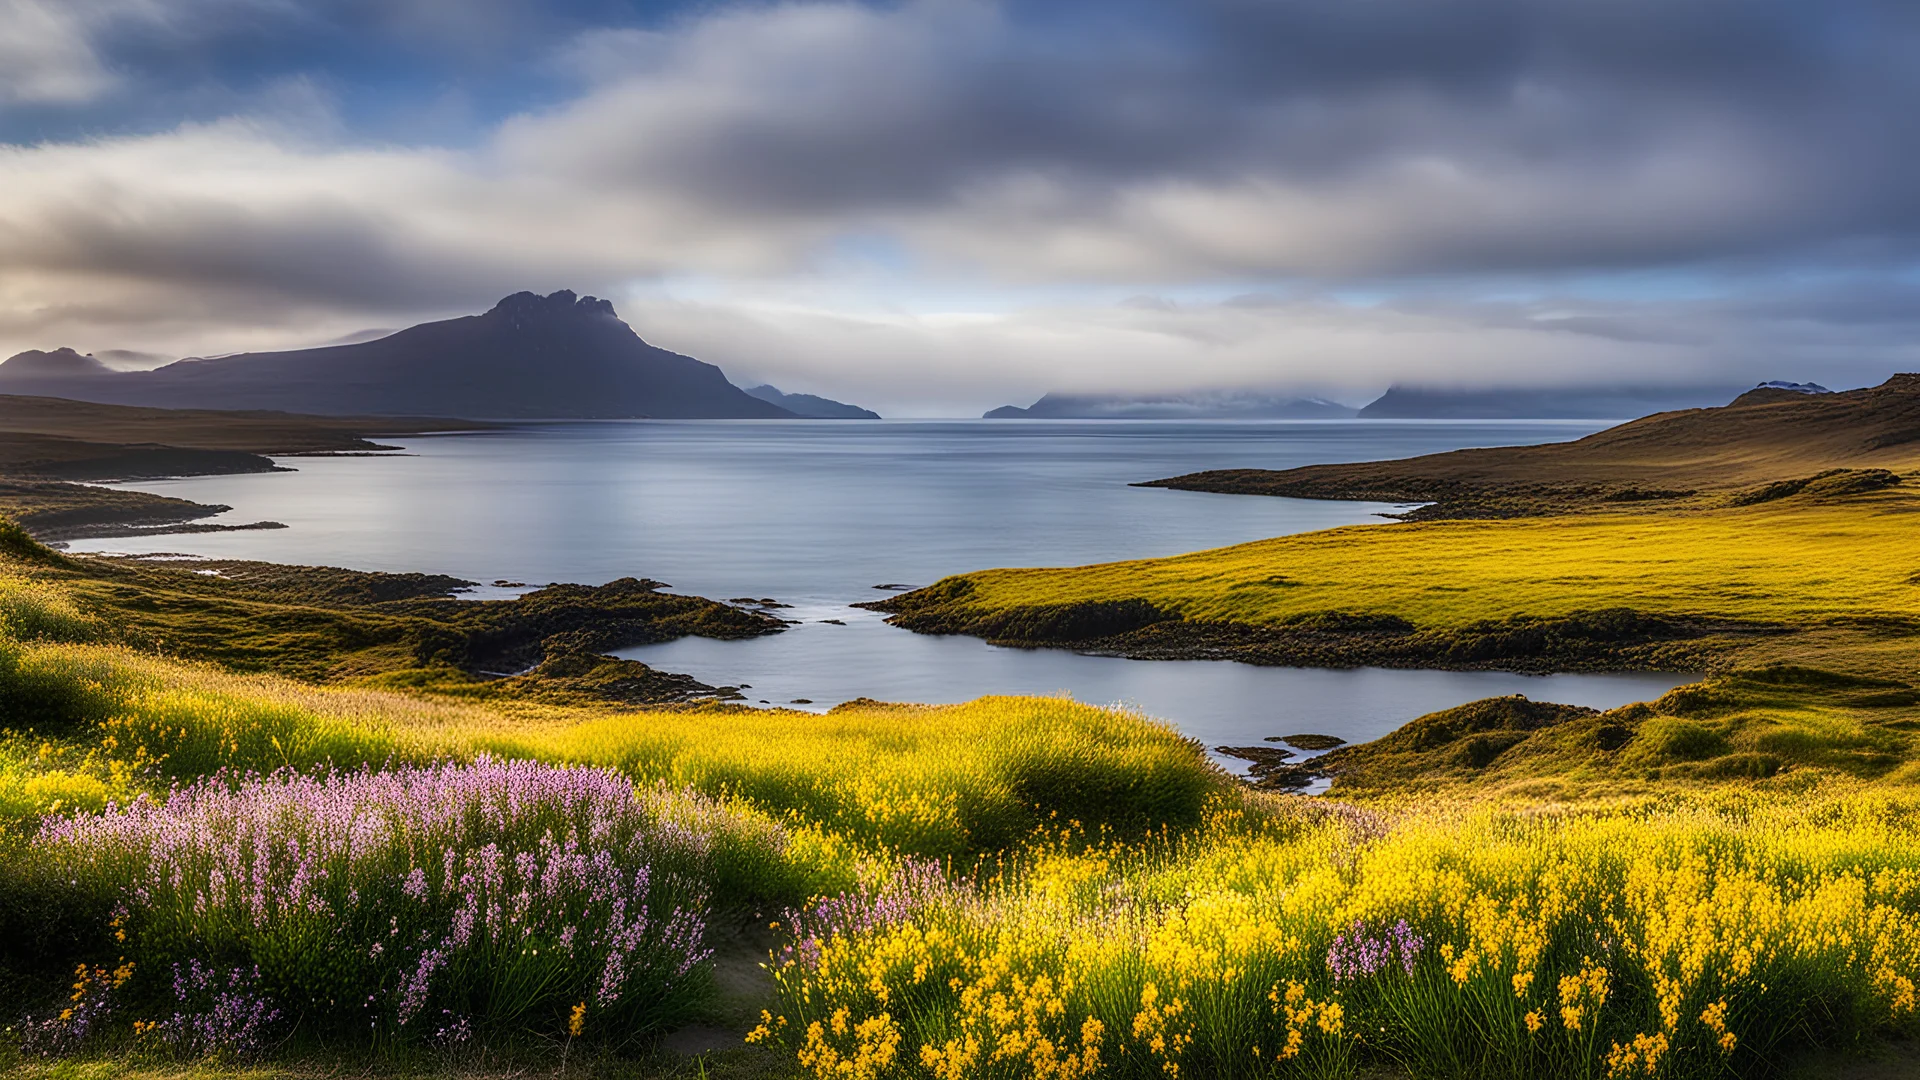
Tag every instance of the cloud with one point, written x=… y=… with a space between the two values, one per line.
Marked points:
x=1422 y=151
x=962 y=363
x=46 y=54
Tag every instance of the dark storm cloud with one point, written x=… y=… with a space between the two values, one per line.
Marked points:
x=1443 y=135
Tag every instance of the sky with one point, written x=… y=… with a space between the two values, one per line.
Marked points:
x=937 y=206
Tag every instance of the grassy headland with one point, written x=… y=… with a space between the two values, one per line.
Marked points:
x=1767 y=444
x=376 y=629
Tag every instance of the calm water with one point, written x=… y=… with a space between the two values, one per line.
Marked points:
x=815 y=513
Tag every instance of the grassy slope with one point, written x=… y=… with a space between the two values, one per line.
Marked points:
x=1786 y=562
x=91 y=723
x=395 y=630
x=1844 y=574
x=1699 y=457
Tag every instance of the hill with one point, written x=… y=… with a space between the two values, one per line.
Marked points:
x=529 y=357
x=812 y=405
x=1225 y=405
x=1562 y=403
x=1769 y=435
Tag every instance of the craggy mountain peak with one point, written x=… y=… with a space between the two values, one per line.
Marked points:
x=524 y=310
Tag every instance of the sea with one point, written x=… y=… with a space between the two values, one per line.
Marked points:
x=817 y=514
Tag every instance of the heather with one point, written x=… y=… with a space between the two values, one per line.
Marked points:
x=495 y=895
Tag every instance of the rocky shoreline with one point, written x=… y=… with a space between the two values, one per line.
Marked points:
x=1617 y=639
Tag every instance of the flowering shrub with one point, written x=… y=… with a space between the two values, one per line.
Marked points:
x=1654 y=942
x=412 y=902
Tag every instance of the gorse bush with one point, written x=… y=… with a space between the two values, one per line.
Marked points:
x=496 y=895
x=1670 y=943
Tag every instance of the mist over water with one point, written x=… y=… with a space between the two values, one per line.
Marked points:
x=815 y=513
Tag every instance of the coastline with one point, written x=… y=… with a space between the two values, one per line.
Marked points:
x=318 y=623
x=55 y=454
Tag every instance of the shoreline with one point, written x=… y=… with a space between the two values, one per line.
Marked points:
x=1609 y=640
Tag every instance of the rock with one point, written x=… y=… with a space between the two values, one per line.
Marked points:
x=1309 y=742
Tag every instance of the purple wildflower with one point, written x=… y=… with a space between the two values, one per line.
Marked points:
x=916 y=885
x=1357 y=955
x=441 y=885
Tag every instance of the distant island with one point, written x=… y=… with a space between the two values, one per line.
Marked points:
x=1401 y=401
x=1408 y=402
x=1199 y=405
x=559 y=356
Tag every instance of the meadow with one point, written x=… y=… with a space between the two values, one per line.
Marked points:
x=250 y=871
x=1791 y=562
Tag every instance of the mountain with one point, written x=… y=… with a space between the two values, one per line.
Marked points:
x=1830 y=443
x=1402 y=402
x=1199 y=405
x=59 y=364
x=811 y=405
x=529 y=357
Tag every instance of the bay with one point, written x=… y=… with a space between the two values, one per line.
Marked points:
x=814 y=514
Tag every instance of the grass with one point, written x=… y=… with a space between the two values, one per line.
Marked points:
x=1780 y=563
x=1776 y=728
x=938 y=781
x=401 y=630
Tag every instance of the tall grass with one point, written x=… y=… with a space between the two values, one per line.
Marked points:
x=947 y=781
x=934 y=781
x=38 y=610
